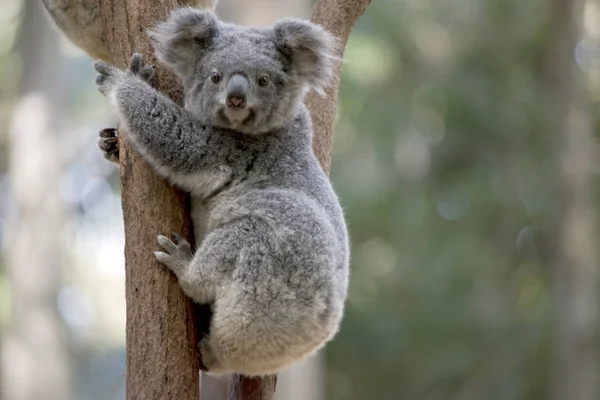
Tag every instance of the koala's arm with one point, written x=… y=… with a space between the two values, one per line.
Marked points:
x=165 y=134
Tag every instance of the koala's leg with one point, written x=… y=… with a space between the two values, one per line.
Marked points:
x=178 y=257
x=108 y=142
x=233 y=269
x=251 y=311
x=209 y=278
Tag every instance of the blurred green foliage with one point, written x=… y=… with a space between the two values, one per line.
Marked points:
x=442 y=162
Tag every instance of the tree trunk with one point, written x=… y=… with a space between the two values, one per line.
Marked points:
x=575 y=266
x=162 y=323
x=338 y=17
x=35 y=354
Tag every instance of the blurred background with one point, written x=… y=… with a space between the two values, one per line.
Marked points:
x=474 y=264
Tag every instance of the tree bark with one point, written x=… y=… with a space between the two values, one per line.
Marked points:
x=162 y=323
x=338 y=17
x=35 y=354
x=575 y=274
x=82 y=21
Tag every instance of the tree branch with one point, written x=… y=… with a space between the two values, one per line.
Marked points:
x=339 y=18
x=82 y=22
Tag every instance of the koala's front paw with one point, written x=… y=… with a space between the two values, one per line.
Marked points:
x=109 y=144
x=178 y=255
x=110 y=77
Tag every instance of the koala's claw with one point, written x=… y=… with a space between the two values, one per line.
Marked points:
x=178 y=253
x=137 y=67
x=109 y=144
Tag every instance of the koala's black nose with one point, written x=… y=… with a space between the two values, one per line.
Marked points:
x=237 y=88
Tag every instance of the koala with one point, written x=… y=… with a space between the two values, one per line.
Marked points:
x=273 y=258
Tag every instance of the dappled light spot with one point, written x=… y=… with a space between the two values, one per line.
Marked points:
x=430 y=124
x=369 y=61
x=524 y=239
x=452 y=206
x=587 y=54
x=376 y=257
x=74 y=307
x=412 y=156
x=433 y=42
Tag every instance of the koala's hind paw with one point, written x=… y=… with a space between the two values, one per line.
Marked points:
x=137 y=67
x=109 y=144
x=207 y=356
x=178 y=253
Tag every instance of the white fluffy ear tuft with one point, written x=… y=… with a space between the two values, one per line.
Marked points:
x=184 y=37
x=311 y=49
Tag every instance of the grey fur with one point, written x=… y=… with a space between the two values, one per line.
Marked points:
x=273 y=260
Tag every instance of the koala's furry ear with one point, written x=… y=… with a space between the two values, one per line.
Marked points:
x=311 y=49
x=184 y=37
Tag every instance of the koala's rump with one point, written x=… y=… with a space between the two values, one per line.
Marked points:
x=280 y=298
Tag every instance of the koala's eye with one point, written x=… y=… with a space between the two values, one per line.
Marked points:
x=263 y=80
x=215 y=77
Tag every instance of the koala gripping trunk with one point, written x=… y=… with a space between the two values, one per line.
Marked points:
x=162 y=323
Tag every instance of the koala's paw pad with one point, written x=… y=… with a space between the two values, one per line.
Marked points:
x=108 y=142
x=137 y=67
x=178 y=253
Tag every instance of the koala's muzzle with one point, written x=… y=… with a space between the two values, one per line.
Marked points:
x=237 y=88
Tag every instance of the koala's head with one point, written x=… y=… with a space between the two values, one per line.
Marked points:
x=244 y=78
